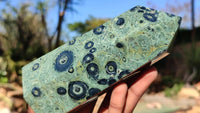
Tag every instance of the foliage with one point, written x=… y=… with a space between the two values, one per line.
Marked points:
x=63 y=6
x=173 y=91
x=172 y=85
x=3 y=71
x=23 y=34
x=82 y=27
x=169 y=81
x=192 y=59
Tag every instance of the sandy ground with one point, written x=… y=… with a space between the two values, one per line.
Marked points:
x=159 y=103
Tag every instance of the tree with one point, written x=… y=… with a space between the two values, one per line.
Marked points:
x=193 y=35
x=82 y=27
x=63 y=6
x=23 y=33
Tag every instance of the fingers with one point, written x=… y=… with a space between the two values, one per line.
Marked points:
x=118 y=99
x=30 y=110
x=138 y=88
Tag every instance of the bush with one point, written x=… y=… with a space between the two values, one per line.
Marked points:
x=173 y=91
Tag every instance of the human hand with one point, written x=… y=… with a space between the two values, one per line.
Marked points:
x=124 y=99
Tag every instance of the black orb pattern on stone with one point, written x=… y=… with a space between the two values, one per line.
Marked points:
x=152 y=17
x=112 y=36
x=121 y=74
x=72 y=42
x=133 y=9
x=143 y=8
x=111 y=68
x=36 y=92
x=63 y=61
x=61 y=91
x=149 y=28
x=102 y=81
x=179 y=21
x=77 y=90
x=98 y=30
x=88 y=58
x=119 y=45
x=111 y=81
x=120 y=21
x=93 y=50
x=93 y=91
x=35 y=66
x=141 y=21
x=93 y=70
x=170 y=15
x=124 y=59
x=140 y=11
x=71 y=70
x=89 y=45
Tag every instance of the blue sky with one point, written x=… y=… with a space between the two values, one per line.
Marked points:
x=107 y=9
x=112 y=8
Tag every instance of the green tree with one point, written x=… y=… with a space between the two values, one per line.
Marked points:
x=22 y=39
x=63 y=6
x=82 y=27
x=23 y=33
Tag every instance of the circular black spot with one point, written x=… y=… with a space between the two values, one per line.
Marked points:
x=72 y=42
x=93 y=91
x=149 y=28
x=98 y=30
x=63 y=61
x=102 y=81
x=88 y=97
x=121 y=74
x=140 y=11
x=77 y=90
x=179 y=21
x=61 y=91
x=93 y=50
x=143 y=8
x=150 y=9
x=56 y=108
x=133 y=9
x=120 y=21
x=111 y=81
x=152 y=30
x=141 y=21
x=124 y=59
x=89 y=45
x=88 y=58
x=111 y=68
x=119 y=45
x=71 y=70
x=170 y=15
x=112 y=36
x=36 y=92
x=152 y=17
x=35 y=66
x=93 y=70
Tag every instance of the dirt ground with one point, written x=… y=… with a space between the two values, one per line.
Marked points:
x=187 y=101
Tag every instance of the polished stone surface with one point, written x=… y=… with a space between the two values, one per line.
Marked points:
x=74 y=72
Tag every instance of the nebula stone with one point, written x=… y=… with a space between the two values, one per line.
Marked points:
x=69 y=75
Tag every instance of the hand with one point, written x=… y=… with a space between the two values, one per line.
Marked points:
x=124 y=99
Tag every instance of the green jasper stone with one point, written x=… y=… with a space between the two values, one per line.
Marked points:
x=71 y=74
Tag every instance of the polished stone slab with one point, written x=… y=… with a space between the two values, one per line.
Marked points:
x=69 y=75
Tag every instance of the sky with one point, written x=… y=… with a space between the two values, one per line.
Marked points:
x=105 y=9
